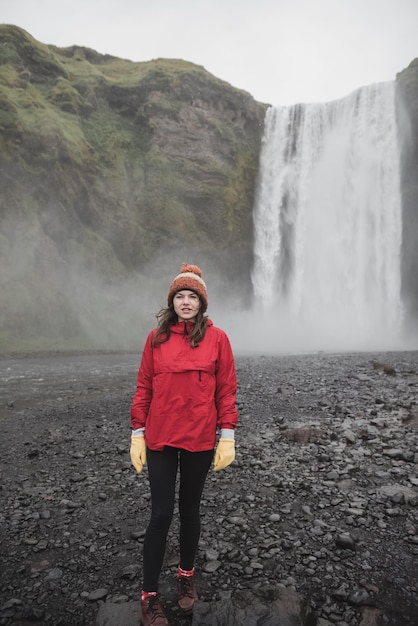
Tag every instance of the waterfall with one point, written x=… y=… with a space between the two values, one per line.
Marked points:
x=327 y=223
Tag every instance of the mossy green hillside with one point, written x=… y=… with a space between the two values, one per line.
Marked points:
x=114 y=170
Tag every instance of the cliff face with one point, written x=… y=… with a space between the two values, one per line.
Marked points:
x=113 y=172
x=407 y=89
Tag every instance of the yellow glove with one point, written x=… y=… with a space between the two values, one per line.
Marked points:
x=225 y=454
x=138 y=452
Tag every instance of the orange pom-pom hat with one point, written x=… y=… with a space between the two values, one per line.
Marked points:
x=190 y=277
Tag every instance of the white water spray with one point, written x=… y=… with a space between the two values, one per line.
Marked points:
x=328 y=224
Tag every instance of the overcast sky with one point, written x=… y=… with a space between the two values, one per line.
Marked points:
x=280 y=51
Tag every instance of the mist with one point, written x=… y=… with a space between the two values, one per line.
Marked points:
x=68 y=306
x=328 y=229
x=275 y=332
x=326 y=275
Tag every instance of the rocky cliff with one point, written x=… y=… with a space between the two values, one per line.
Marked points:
x=113 y=173
x=407 y=89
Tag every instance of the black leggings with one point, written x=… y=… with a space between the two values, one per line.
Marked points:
x=162 y=472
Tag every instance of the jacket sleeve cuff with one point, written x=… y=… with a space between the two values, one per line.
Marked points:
x=138 y=432
x=227 y=433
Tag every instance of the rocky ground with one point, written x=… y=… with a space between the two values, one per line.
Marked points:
x=322 y=498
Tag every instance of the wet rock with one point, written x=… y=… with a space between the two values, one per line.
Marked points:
x=303 y=434
x=97 y=594
x=272 y=607
x=350 y=436
x=322 y=499
x=211 y=566
x=284 y=607
x=131 y=571
x=342 y=593
x=115 y=614
x=32 y=613
x=13 y=602
x=401 y=493
x=345 y=541
x=359 y=597
x=53 y=577
x=384 y=367
x=371 y=617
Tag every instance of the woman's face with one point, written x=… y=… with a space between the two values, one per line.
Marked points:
x=186 y=305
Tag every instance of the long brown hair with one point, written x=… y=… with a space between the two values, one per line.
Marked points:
x=167 y=317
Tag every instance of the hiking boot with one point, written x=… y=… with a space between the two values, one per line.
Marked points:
x=152 y=613
x=186 y=594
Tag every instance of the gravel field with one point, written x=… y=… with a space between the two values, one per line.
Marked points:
x=322 y=497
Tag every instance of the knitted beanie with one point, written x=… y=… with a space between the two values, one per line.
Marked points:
x=190 y=277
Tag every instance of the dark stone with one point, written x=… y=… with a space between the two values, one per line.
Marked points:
x=243 y=608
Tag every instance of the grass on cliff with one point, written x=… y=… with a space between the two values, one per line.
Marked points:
x=93 y=185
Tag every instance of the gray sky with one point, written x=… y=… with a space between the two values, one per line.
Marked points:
x=280 y=51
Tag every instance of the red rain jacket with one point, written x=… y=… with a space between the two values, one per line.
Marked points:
x=184 y=394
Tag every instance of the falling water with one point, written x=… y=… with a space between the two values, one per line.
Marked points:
x=327 y=223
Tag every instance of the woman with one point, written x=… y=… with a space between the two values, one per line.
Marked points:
x=185 y=393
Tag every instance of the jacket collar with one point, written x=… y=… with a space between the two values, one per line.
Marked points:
x=184 y=328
